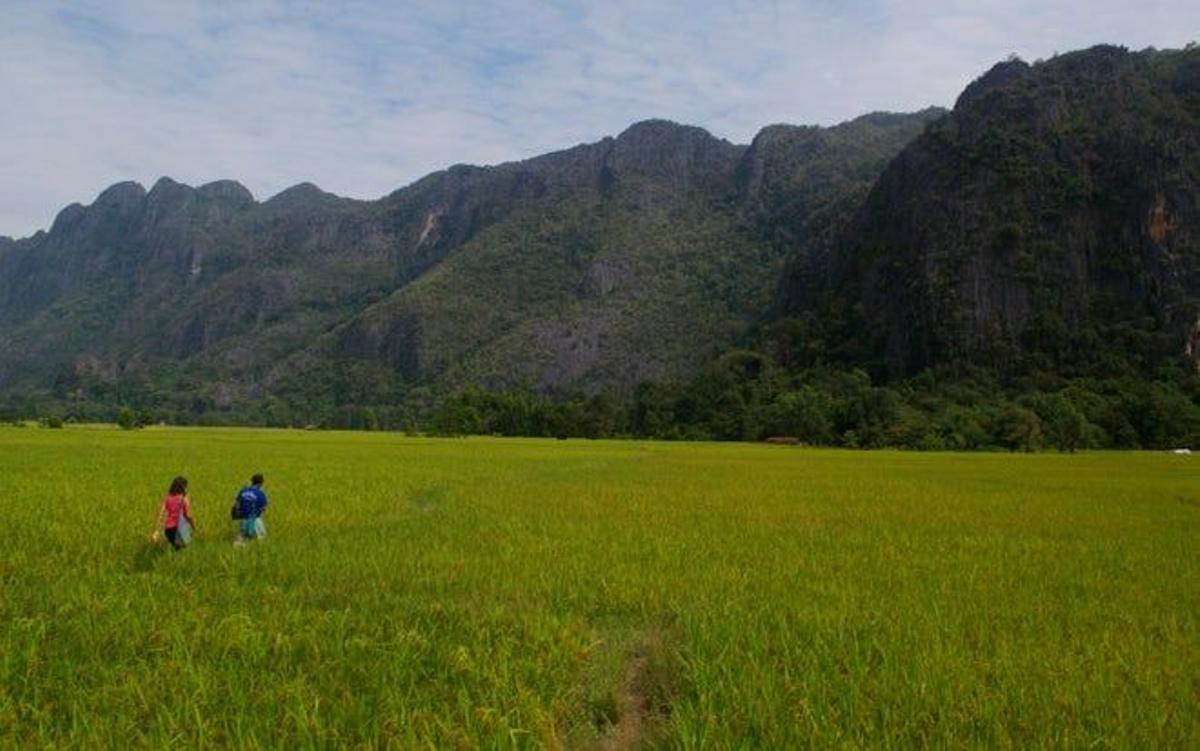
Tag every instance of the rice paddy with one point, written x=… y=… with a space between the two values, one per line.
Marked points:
x=466 y=593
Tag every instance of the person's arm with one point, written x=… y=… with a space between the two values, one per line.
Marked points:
x=187 y=511
x=262 y=501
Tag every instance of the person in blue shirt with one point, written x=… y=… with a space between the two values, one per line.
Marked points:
x=251 y=502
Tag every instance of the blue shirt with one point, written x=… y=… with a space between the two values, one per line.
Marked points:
x=251 y=501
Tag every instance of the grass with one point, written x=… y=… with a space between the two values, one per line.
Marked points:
x=497 y=593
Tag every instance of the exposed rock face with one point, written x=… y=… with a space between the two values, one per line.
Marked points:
x=574 y=350
x=1053 y=214
x=632 y=257
x=603 y=278
x=635 y=257
x=681 y=158
x=802 y=184
x=171 y=273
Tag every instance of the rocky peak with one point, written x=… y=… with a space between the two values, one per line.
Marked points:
x=1100 y=62
x=684 y=155
x=214 y=201
x=68 y=218
x=166 y=186
x=761 y=160
x=774 y=138
x=301 y=195
x=659 y=131
x=125 y=197
x=115 y=208
x=801 y=158
x=166 y=197
x=783 y=133
x=875 y=126
x=227 y=191
x=1000 y=75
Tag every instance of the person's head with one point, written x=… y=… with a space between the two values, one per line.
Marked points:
x=178 y=486
x=256 y=480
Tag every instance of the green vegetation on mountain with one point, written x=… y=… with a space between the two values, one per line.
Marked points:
x=637 y=258
x=1023 y=271
x=1048 y=224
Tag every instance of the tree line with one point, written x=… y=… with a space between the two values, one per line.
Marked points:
x=744 y=395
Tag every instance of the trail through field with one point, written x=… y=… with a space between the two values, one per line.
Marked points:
x=635 y=706
x=641 y=692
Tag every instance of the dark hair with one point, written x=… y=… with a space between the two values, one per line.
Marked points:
x=178 y=486
x=256 y=480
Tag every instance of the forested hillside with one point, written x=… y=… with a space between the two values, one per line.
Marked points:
x=1027 y=271
x=1022 y=271
x=592 y=269
x=1048 y=223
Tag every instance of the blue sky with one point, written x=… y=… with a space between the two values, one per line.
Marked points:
x=363 y=97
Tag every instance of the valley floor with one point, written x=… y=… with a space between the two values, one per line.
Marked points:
x=495 y=593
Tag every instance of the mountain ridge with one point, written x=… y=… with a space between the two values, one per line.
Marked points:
x=211 y=276
x=1024 y=267
x=213 y=187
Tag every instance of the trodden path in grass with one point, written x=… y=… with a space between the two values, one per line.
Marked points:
x=635 y=704
x=539 y=594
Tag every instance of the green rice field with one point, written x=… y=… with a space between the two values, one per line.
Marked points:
x=496 y=593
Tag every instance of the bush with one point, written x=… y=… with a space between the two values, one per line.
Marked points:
x=125 y=419
x=1019 y=428
x=804 y=413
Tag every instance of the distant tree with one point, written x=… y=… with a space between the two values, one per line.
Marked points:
x=600 y=417
x=1019 y=428
x=1164 y=416
x=962 y=428
x=370 y=419
x=1064 y=424
x=912 y=428
x=125 y=419
x=803 y=413
x=653 y=410
x=457 y=416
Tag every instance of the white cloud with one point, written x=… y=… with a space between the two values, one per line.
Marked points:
x=363 y=97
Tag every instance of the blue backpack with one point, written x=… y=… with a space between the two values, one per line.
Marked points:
x=245 y=505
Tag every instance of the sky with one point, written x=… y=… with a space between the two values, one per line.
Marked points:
x=365 y=96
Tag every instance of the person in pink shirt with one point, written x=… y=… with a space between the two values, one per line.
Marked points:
x=176 y=506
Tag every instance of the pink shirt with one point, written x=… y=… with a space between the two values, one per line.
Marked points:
x=174 y=505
